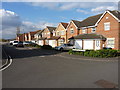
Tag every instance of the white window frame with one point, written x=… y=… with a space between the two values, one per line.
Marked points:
x=110 y=43
x=107 y=26
x=58 y=33
x=93 y=29
x=53 y=33
x=97 y=43
x=84 y=30
x=62 y=32
x=71 y=30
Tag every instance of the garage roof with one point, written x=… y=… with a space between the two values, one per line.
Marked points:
x=89 y=36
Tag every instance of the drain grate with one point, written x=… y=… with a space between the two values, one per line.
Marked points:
x=106 y=84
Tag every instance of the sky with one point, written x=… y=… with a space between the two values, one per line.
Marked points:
x=31 y=16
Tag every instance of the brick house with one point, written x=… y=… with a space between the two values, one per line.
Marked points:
x=99 y=31
x=73 y=29
x=47 y=33
x=39 y=39
x=61 y=32
x=26 y=37
x=20 y=37
x=31 y=35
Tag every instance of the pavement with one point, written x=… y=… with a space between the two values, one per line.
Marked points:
x=36 y=68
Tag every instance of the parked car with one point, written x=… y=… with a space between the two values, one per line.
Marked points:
x=28 y=43
x=14 y=42
x=64 y=47
x=19 y=44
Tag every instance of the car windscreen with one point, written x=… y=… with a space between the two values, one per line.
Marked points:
x=15 y=41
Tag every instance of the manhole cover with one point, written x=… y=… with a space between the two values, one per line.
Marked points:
x=106 y=84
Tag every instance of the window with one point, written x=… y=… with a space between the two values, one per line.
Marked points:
x=62 y=32
x=71 y=30
x=93 y=29
x=83 y=30
x=48 y=33
x=97 y=43
x=107 y=26
x=110 y=42
x=107 y=17
x=61 y=41
x=58 y=33
x=53 y=33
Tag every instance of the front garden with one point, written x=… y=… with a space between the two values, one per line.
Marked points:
x=104 y=53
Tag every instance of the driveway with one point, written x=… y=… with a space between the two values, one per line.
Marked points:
x=36 y=68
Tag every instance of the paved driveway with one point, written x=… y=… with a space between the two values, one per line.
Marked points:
x=47 y=69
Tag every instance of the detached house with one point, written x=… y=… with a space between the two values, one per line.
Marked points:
x=39 y=39
x=47 y=35
x=61 y=32
x=20 y=37
x=31 y=36
x=26 y=37
x=99 y=31
x=73 y=30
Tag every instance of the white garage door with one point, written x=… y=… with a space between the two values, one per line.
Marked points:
x=40 y=42
x=78 y=44
x=88 y=44
x=52 y=43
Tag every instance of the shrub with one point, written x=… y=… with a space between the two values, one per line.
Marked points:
x=46 y=47
x=98 y=53
x=70 y=51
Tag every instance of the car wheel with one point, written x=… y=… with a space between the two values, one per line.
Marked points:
x=61 y=49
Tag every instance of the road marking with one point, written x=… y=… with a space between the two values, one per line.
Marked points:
x=9 y=59
x=6 y=64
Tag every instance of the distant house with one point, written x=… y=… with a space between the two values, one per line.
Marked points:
x=20 y=37
x=61 y=32
x=73 y=29
x=99 y=31
x=39 y=39
x=31 y=36
x=26 y=37
x=48 y=34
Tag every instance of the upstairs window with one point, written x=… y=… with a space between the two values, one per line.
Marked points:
x=107 y=26
x=83 y=30
x=58 y=33
x=93 y=29
x=48 y=33
x=53 y=33
x=62 y=32
x=71 y=30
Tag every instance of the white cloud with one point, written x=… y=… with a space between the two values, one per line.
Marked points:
x=10 y=22
x=82 y=11
x=103 y=8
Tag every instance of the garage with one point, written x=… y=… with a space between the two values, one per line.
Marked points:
x=88 y=44
x=78 y=43
x=52 y=43
x=40 y=42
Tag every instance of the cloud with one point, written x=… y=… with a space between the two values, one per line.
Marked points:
x=103 y=8
x=82 y=11
x=9 y=19
x=10 y=22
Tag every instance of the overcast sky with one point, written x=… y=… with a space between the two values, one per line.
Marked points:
x=37 y=15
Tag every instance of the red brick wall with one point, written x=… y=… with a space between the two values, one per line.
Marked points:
x=114 y=29
x=76 y=31
x=46 y=35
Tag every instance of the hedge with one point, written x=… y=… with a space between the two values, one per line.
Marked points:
x=98 y=53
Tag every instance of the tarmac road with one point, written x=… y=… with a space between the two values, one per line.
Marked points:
x=36 y=68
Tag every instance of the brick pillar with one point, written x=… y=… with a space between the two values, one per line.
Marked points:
x=94 y=44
